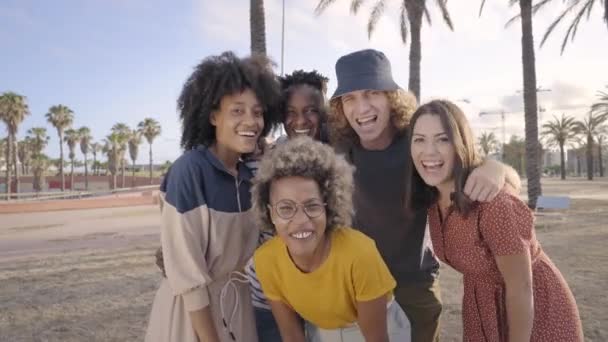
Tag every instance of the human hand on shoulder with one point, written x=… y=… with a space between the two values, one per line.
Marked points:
x=486 y=181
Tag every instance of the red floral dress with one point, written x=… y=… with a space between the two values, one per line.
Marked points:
x=504 y=226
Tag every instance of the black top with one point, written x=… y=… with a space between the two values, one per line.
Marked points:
x=380 y=214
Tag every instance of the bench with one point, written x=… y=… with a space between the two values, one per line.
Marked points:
x=553 y=202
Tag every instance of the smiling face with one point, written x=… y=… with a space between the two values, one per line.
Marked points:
x=304 y=236
x=238 y=122
x=432 y=151
x=368 y=113
x=303 y=115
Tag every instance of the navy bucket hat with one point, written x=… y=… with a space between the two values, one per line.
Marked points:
x=364 y=69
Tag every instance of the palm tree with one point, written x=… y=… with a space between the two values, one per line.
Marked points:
x=601 y=106
x=601 y=140
x=85 y=144
x=123 y=131
x=533 y=146
x=150 y=129
x=40 y=162
x=134 y=142
x=410 y=22
x=72 y=138
x=111 y=148
x=24 y=154
x=488 y=143
x=581 y=9
x=96 y=148
x=61 y=117
x=3 y=143
x=13 y=110
x=515 y=153
x=558 y=132
x=257 y=24
x=591 y=127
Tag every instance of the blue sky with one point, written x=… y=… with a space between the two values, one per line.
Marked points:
x=123 y=60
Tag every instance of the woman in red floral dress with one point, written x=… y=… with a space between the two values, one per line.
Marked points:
x=512 y=290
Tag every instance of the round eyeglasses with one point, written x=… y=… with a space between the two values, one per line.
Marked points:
x=287 y=209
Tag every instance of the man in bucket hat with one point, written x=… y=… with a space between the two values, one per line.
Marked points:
x=368 y=122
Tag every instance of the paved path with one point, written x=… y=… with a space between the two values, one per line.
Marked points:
x=54 y=232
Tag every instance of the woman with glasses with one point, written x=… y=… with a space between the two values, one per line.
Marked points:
x=302 y=112
x=317 y=267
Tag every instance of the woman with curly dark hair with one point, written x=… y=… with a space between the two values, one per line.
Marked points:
x=207 y=233
x=317 y=267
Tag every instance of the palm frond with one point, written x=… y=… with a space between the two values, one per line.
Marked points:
x=512 y=20
x=602 y=105
x=573 y=27
x=606 y=11
x=442 y=4
x=556 y=22
x=322 y=6
x=481 y=6
x=355 y=5
x=536 y=7
x=403 y=23
x=376 y=14
x=427 y=16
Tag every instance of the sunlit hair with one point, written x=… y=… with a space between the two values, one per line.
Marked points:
x=219 y=76
x=402 y=105
x=307 y=158
x=419 y=195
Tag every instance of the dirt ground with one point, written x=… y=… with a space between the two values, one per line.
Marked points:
x=89 y=275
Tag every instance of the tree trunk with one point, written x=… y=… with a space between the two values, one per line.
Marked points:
x=599 y=159
x=72 y=175
x=150 y=163
x=562 y=160
x=86 y=173
x=578 y=164
x=530 y=103
x=15 y=151
x=415 y=17
x=61 y=161
x=257 y=27
x=589 y=157
x=9 y=166
x=133 y=177
x=122 y=172
x=95 y=168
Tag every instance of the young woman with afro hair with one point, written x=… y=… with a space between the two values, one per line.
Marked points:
x=207 y=231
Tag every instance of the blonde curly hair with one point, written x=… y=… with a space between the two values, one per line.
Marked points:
x=402 y=106
x=304 y=157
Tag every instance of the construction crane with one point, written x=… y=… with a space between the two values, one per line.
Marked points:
x=502 y=114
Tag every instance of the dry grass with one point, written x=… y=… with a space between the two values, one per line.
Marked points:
x=104 y=294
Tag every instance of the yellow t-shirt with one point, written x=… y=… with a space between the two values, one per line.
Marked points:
x=327 y=297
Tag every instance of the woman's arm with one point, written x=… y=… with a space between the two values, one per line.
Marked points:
x=516 y=271
x=371 y=317
x=290 y=324
x=202 y=322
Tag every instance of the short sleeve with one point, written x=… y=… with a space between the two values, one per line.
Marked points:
x=371 y=276
x=506 y=225
x=264 y=264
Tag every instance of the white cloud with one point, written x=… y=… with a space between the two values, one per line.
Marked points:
x=480 y=60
